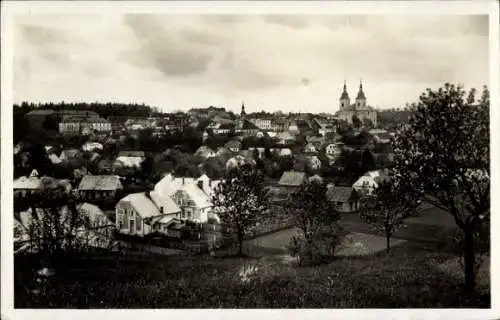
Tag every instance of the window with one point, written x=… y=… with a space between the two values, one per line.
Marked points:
x=131 y=226
x=339 y=203
x=139 y=223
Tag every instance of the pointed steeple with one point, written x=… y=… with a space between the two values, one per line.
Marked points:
x=361 y=94
x=344 y=95
x=243 y=113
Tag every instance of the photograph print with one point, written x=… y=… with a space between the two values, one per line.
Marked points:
x=258 y=161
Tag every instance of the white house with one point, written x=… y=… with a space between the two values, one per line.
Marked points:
x=334 y=149
x=130 y=158
x=285 y=152
x=368 y=182
x=92 y=146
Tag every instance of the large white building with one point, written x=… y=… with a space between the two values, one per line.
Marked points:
x=359 y=108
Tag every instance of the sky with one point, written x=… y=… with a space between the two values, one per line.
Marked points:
x=292 y=63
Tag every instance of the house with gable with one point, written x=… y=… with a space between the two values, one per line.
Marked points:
x=233 y=146
x=99 y=187
x=367 y=183
x=205 y=152
x=344 y=199
x=129 y=159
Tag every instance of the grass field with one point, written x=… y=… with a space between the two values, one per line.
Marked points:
x=413 y=275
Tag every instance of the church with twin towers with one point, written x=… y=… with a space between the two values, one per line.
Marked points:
x=360 y=108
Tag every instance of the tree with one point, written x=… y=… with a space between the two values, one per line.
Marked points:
x=367 y=161
x=443 y=153
x=356 y=122
x=367 y=123
x=387 y=208
x=317 y=219
x=239 y=201
x=148 y=168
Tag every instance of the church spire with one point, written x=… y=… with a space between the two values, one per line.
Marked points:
x=361 y=94
x=345 y=95
x=243 y=113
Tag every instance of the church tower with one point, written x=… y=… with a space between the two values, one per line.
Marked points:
x=361 y=98
x=344 y=99
x=243 y=113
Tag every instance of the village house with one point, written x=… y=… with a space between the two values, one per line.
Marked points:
x=69 y=155
x=224 y=128
x=247 y=128
x=205 y=152
x=233 y=146
x=92 y=146
x=77 y=124
x=239 y=161
x=310 y=148
x=134 y=214
x=279 y=125
x=367 y=183
x=260 y=151
x=262 y=123
x=313 y=162
x=285 y=138
x=334 y=150
x=284 y=152
x=344 y=199
x=99 y=187
x=292 y=179
x=24 y=186
x=129 y=159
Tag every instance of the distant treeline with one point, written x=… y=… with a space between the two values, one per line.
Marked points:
x=105 y=110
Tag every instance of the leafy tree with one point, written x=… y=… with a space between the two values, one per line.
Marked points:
x=239 y=201
x=317 y=219
x=367 y=123
x=148 y=167
x=443 y=153
x=356 y=122
x=367 y=161
x=387 y=208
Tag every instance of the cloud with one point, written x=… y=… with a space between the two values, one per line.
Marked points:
x=177 y=61
x=165 y=50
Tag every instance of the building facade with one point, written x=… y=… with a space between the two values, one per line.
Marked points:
x=359 y=108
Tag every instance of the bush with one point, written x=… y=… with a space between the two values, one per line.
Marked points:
x=321 y=246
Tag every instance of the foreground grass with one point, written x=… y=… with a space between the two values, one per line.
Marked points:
x=408 y=277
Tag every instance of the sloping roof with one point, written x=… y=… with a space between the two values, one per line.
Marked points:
x=54 y=158
x=233 y=144
x=168 y=205
x=285 y=136
x=203 y=151
x=197 y=195
x=341 y=194
x=169 y=184
x=70 y=153
x=103 y=182
x=247 y=125
x=292 y=178
x=142 y=204
x=27 y=183
x=94 y=213
x=131 y=154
